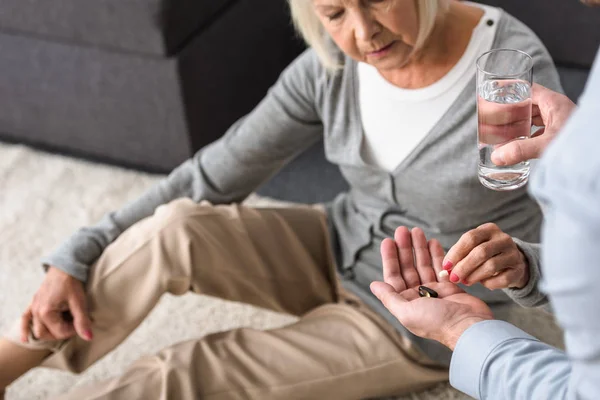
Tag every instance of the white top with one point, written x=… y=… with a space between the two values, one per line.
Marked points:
x=395 y=120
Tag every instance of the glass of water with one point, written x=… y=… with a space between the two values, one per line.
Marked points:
x=504 y=78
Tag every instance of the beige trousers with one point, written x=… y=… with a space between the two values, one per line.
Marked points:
x=274 y=258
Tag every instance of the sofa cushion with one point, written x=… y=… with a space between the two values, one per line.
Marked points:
x=155 y=27
x=569 y=29
x=573 y=80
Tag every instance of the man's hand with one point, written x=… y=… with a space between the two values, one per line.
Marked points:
x=550 y=111
x=444 y=318
x=58 y=310
x=488 y=256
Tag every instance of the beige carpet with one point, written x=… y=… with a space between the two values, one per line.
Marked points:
x=44 y=198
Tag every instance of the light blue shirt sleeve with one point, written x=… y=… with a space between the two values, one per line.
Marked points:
x=495 y=360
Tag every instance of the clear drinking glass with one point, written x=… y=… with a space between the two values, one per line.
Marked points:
x=504 y=78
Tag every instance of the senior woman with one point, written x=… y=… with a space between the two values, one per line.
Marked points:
x=389 y=86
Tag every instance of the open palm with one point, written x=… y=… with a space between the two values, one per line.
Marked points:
x=410 y=261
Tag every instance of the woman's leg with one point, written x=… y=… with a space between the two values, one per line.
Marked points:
x=337 y=351
x=274 y=258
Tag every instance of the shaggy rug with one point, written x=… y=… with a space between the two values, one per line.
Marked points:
x=44 y=198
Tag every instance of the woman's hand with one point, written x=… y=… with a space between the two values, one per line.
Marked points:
x=487 y=255
x=444 y=318
x=59 y=296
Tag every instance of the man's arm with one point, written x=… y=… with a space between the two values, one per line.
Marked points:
x=496 y=360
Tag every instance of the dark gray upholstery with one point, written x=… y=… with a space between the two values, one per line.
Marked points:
x=156 y=27
x=573 y=80
x=145 y=111
x=570 y=31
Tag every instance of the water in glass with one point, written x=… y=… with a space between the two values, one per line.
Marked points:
x=504 y=115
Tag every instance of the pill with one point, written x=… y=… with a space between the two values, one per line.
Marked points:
x=424 y=291
x=443 y=274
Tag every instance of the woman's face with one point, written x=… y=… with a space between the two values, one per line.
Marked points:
x=378 y=32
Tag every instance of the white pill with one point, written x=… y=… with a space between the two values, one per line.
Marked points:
x=443 y=274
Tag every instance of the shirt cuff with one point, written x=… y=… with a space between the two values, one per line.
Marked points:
x=473 y=349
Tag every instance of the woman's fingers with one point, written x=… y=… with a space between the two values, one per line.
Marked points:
x=423 y=257
x=405 y=250
x=474 y=262
x=40 y=332
x=467 y=242
x=473 y=249
x=491 y=268
x=391 y=265
x=26 y=324
x=503 y=280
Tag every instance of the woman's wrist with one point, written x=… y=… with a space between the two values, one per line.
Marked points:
x=525 y=272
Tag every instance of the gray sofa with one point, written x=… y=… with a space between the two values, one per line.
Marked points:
x=142 y=83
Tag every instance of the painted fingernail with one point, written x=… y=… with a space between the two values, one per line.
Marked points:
x=454 y=278
x=447 y=265
x=464 y=282
x=88 y=334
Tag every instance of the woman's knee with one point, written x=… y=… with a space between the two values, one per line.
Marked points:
x=177 y=215
x=181 y=209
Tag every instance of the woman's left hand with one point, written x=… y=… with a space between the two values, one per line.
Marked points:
x=444 y=318
x=489 y=256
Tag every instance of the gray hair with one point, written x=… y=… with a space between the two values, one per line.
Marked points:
x=309 y=26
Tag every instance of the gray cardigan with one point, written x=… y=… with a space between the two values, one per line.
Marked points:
x=435 y=187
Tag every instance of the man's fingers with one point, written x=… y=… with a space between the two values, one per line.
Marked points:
x=539 y=93
x=537 y=120
x=423 y=257
x=539 y=132
x=405 y=250
x=391 y=265
x=26 y=324
x=519 y=150
x=81 y=321
x=437 y=255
